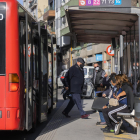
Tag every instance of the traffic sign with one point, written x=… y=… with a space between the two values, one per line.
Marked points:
x=110 y=51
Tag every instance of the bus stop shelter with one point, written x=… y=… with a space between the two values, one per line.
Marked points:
x=106 y=22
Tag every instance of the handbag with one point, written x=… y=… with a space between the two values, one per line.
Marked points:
x=114 y=102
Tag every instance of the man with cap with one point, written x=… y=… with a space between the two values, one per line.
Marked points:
x=74 y=81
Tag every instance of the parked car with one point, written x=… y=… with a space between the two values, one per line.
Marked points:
x=87 y=70
x=88 y=89
x=62 y=74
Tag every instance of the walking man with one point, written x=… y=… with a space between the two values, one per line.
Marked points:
x=74 y=82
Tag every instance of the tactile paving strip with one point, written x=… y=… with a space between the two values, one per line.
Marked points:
x=49 y=131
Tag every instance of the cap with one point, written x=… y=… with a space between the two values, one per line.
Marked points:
x=81 y=60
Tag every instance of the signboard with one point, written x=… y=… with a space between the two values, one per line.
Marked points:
x=105 y=3
x=99 y=57
x=90 y=60
x=110 y=51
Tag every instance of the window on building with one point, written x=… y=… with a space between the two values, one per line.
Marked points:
x=63 y=20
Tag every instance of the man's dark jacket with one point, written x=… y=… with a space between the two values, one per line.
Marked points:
x=74 y=79
x=99 y=78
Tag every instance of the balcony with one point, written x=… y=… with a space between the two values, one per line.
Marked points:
x=49 y=13
x=51 y=30
x=33 y=4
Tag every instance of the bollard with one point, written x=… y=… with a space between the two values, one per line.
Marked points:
x=137 y=114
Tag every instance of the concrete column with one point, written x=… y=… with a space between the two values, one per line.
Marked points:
x=121 y=54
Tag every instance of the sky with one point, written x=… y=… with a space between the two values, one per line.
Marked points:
x=21 y=1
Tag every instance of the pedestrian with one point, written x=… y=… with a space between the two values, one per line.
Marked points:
x=74 y=82
x=98 y=75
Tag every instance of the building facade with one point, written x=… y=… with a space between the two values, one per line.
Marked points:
x=36 y=7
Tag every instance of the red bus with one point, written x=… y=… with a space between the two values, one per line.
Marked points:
x=23 y=68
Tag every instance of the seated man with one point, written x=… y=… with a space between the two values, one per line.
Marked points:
x=125 y=99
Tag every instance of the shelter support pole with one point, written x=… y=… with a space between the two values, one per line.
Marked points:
x=139 y=38
x=121 y=54
x=52 y=72
x=135 y=61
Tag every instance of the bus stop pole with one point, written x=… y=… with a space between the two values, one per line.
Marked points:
x=121 y=54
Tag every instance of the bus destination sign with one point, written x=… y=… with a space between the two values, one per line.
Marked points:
x=102 y=3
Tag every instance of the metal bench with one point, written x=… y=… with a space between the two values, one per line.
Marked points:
x=129 y=118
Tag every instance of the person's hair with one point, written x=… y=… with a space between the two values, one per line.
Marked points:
x=122 y=78
x=96 y=63
x=118 y=81
x=112 y=77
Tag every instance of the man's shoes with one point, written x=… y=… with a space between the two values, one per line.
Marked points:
x=117 y=128
x=106 y=128
x=101 y=123
x=85 y=116
x=66 y=115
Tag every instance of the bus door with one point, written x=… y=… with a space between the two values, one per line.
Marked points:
x=43 y=75
x=28 y=71
x=35 y=50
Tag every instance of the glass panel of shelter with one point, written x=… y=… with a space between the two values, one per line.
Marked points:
x=131 y=55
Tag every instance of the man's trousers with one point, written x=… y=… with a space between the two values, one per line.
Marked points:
x=76 y=99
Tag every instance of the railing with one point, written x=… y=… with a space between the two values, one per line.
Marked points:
x=48 y=8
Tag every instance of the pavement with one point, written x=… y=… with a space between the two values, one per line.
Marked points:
x=75 y=128
x=57 y=127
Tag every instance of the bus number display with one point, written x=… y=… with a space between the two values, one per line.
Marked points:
x=1 y=16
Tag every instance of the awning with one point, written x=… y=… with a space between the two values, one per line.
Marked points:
x=100 y=25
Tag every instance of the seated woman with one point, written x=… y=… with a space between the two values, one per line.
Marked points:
x=125 y=105
x=110 y=89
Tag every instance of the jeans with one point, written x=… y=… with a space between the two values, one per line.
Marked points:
x=101 y=116
x=95 y=93
x=76 y=99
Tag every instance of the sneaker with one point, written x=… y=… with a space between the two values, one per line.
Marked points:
x=110 y=130
x=117 y=128
x=85 y=116
x=66 y=115
x=106 y=128
x=101 y=123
